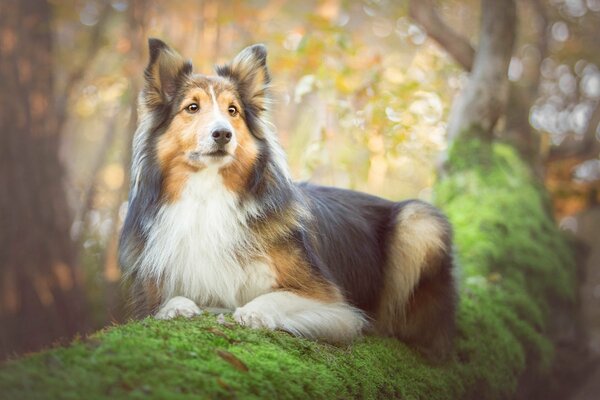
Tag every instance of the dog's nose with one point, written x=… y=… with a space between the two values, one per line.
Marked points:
x=221 y=136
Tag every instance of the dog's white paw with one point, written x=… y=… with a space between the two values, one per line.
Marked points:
x=253 y=318
x=178 y=306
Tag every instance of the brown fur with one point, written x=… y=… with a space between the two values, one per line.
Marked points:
x=181 y=138
x=418 y=286
x=273 y=231
x=429 y=323
x=294 y=275
x=171 y=151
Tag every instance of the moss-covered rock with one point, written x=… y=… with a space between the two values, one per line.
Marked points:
x=514 y=264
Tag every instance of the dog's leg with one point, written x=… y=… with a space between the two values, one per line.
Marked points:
x=301 y=316
x=176 y=307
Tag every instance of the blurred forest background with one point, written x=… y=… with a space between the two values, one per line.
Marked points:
x=363 y=94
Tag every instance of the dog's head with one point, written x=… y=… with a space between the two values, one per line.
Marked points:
x=206 y=120
x=193 y=127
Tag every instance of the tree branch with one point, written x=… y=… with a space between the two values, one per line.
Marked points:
x=423 y=12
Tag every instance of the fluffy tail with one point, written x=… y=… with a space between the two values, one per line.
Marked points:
x=419 y=298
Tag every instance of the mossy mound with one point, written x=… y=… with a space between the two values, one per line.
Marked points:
x=514 y=264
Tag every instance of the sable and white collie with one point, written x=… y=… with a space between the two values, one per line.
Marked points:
x=214 y=220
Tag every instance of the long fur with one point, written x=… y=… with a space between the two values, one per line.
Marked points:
x=235 y=232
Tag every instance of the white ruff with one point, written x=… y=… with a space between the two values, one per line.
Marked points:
x=193 y=243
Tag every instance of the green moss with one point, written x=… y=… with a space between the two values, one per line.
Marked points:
x=514 y=262
x=182 y=359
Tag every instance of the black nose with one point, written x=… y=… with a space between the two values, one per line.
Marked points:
x=221 y=136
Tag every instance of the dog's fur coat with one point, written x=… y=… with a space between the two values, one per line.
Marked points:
x=214 y=220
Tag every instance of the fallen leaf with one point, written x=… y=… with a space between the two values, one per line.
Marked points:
x=233 y=360
x=221 y=321
x=217 y=332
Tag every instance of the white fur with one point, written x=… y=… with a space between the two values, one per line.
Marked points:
x=191 y=249
x=176 y=307
x=194 y=245
x=332 y=322
x=219 y=121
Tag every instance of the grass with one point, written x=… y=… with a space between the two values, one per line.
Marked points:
x=514 y=263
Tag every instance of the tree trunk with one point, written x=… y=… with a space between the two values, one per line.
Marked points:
x=523 y=94
x=518 y=132
x=483 y=99
x=40 y=289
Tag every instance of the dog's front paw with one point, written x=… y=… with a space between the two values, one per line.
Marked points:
x=253 y=318
x=178 y=306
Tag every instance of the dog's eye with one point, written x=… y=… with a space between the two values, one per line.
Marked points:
x=192 y=108
x=233 y=111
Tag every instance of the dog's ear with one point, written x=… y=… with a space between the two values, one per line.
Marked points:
x=249 y=72
x=166 y=70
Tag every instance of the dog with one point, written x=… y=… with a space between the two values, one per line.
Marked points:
x=214 y=220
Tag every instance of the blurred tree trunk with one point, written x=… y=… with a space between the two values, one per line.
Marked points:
x=488 y=96
x=523 y=94
x=483 y=100
x=41 y=299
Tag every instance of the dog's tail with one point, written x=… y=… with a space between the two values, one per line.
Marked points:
x=419 y=298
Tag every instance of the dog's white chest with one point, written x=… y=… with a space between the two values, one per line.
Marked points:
x=195 y=246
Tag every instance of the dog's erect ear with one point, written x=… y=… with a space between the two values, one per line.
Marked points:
x=249 y=72
x=164 y=73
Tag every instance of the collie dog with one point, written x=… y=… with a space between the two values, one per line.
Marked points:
x=214 y=220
